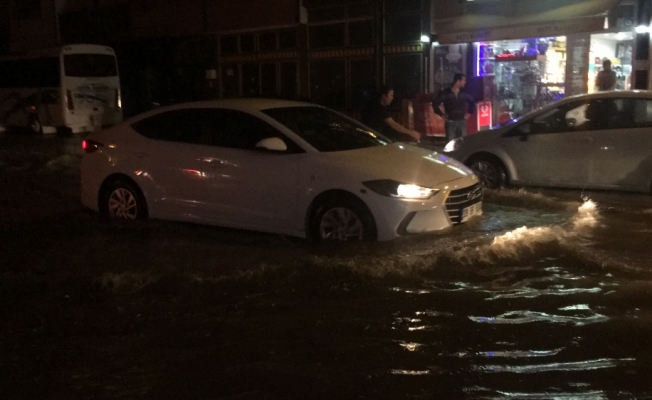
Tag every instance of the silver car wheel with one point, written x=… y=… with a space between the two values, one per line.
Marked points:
x=340 y=223
x=490 y=174
x=122 y=204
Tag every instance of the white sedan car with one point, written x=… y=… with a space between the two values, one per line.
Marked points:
x=597 y=141
x=274 y=166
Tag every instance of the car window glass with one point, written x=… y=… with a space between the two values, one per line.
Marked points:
x=643 y=113
x=176 y=126
x=576 y=118
x=239 y=130
x=552 y=121
x=610 y=113
x=326 y=130
x=622 y=114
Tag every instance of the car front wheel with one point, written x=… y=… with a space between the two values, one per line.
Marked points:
x=342 y=219
x=490 y=171
x=123 y=200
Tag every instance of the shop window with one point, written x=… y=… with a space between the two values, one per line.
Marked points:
x=247 y=44
x=402 y=28
x=361 y=10
x=327 y=83
x=288 y=80
x=287 y=40
x=229 y=45
x=268 y=80
x=323 y=36
x=404 y=74
x=230 y=77
x=267 y=42
x=401 y=6
x=363 y=83
x=28 y=9
x=323 y=14
x=361 y=33
x=250 y=80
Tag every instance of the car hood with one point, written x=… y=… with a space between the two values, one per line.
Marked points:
x=402 y=163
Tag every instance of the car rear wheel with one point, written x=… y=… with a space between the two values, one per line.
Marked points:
x=123 y=200
x=490 y=171
x=342 y=219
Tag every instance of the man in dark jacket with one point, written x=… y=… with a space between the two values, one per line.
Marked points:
x=458 y=107
x=376 y=116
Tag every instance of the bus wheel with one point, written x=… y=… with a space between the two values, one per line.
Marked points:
x=35 y=124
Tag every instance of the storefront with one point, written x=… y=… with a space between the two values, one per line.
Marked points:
x=524 y=74
x=522 y=55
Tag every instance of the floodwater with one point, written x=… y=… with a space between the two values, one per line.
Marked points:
x=545 y=296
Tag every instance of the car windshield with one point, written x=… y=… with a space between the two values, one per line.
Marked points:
x=325 y=129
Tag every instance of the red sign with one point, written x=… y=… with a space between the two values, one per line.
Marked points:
x=484 y=114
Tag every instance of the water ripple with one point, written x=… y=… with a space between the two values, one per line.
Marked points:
x=526 y=317
x=566 y=366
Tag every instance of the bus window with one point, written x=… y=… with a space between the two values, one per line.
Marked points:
x=89 y=65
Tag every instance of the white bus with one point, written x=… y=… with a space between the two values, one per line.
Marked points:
x=72 y=88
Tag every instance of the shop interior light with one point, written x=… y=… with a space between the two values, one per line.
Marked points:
x=642 y=29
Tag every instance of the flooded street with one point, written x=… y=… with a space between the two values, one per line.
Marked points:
x=547 y=295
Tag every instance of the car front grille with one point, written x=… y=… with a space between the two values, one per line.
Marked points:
x=459 y=199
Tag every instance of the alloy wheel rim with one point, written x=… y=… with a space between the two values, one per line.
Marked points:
x=122 y=204
x=487 y=173
x=340 y=223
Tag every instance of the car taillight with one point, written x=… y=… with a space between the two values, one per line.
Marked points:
x=90 y=146
x=71 y=105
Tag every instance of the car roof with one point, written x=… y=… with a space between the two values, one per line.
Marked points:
x=243 y=103
x=240 y=104
x=612 y=94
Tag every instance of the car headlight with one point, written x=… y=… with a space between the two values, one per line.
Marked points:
x=388 y=187
x=453 y=145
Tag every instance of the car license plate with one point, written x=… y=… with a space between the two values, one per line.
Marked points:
x=471 y=211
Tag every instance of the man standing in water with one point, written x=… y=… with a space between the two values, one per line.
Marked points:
x=458 y=107
x=377 y=117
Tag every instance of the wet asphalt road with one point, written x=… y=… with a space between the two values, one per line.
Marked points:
x=546 y=296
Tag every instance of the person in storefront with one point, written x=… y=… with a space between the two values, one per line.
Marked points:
x=376 y=116
x=606 y=79
x=458 y=107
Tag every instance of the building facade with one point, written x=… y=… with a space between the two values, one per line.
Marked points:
x=336 y=53
x=339 y=52
x=521 y=54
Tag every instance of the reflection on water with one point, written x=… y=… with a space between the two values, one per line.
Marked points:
x=523 y=302
x=587 y=365
x=511 y=353
x=524 y=290
x=527 y=317
x=586 y=395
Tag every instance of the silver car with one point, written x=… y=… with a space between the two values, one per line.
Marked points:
x=593 y=141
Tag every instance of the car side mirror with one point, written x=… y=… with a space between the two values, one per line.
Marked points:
x=272 y=144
